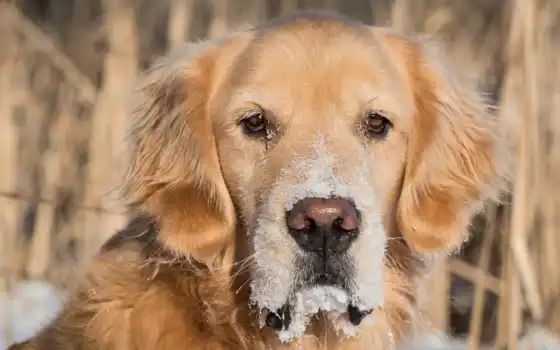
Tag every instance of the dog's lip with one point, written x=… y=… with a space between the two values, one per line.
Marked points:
x=355 y=315
x=280 y=319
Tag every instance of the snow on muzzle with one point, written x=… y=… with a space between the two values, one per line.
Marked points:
x=319 y=245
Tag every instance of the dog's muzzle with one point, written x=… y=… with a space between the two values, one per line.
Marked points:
x=324 y=229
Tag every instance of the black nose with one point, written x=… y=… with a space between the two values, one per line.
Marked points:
x=323 y=225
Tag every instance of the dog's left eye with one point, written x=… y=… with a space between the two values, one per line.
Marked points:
x=377 y=125
x=254 y=124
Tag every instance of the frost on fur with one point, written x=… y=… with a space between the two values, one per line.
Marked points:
x=277 y=278
x=310 y=301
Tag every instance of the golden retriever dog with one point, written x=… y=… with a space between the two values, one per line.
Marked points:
x=292 y=185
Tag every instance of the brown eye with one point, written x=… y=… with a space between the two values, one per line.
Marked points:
x=254 y=124
x=377 y=125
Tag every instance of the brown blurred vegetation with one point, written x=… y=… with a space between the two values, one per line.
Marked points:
x=66 y=66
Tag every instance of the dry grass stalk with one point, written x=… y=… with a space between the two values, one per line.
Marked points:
x=518 y=323
x=8 y=176
x=476 y=322
x=547 y=244
x=436 y=306
x=10 y=13
x=514 y=302
x=32 y=120
x=181 y=13
x=399 y=14
x=522 y=41
x=109 y=122
x=220 y=23
x=56 y=168
x=503 y=311
x=40 y=245
x=15 y=195
x=509 y=307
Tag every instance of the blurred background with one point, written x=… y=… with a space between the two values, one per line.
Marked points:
x=66 y=67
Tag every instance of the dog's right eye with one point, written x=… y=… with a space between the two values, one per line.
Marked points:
x=254 y=124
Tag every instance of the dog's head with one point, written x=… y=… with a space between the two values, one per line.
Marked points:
x=315 y=142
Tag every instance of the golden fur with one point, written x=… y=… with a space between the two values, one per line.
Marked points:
x=177 y=276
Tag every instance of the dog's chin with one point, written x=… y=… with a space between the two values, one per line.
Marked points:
x=311 y=288
x=322 y=296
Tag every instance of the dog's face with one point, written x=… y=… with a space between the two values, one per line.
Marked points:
x=312 y=145
x=309 y=144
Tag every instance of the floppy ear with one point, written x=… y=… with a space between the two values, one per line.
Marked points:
x=453 y=159
x=174 y=172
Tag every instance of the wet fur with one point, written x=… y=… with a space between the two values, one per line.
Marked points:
x=177 y=276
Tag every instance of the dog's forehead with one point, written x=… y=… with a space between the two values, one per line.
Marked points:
x=313 y=55
x=318 y=67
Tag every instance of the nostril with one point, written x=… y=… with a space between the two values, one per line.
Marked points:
x=300 y=222
x=347 y=222
x=309 y=226
x=338 y=223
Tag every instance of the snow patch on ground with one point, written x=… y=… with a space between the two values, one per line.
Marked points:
x=30 y=306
